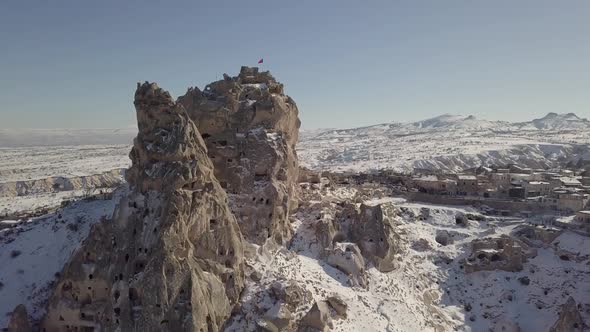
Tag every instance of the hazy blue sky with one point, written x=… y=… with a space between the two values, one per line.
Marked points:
x=346 y=63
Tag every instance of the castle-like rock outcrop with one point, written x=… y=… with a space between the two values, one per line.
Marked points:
x=172 y=258
x=250 y=128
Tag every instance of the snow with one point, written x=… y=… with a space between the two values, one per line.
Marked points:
x=66 y=137
x=429 y=289
x=29 y=163
x=446 y=143
x=573 y=243
x=32 y=252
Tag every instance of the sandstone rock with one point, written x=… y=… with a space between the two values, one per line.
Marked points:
x=250 y=128
x=502 y=253
x=569 y=319
x=327 y=233
x=172 y=257
x=374 y=233
x=338 y=304
x=461 y=220
x=347 y=258
x=19 y=320
x=318 y=317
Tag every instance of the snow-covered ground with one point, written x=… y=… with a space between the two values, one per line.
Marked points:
x=33 y=253
x=430 y=290
x=29 y=163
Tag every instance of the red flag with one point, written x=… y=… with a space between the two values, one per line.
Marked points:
x=261 y=60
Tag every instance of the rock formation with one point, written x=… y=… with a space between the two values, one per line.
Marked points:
x=172 y=257
x=569 y=319
x=355 y=235
x=19 y=320
x=347 y=258
x=502 y=253
x=374 y=233
x=318 y=318
x=250 y=128
x=337 y=303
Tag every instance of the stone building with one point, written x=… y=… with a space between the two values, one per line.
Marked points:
x=466 y=184
x=433 y=185
x=537 y=188
x=583 y=216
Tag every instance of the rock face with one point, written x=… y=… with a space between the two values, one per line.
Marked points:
x=172 y=257
x=250 y=128
x=19 y=320
x=374 y=233
x=356 y=235
x=569 y=319
x=502 y=253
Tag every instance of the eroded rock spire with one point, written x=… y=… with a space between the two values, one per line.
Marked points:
x=171 y=258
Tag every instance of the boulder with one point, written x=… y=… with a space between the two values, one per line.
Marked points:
x=172 y=256
x=251 y=128
x=443 y=237
x=318 y=318
x=338 y=304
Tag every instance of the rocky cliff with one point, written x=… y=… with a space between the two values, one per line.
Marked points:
x=250 y=128
x=172 y=257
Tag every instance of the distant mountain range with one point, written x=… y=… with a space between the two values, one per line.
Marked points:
x=448 y=143
x=551 y=121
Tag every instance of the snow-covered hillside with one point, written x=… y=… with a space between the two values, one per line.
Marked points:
x=430 y=290
x=448 y=143
x=33 y=252
x=554 y=121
